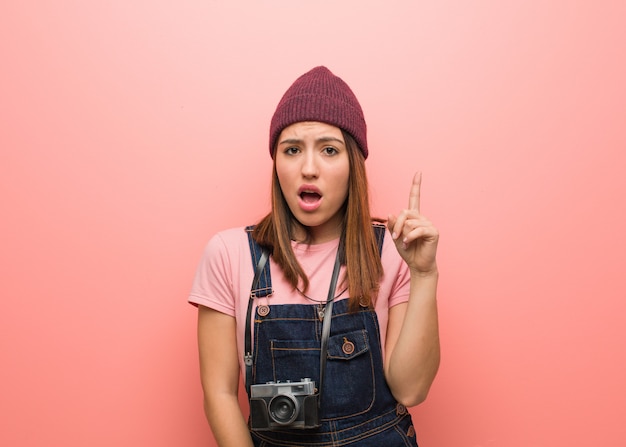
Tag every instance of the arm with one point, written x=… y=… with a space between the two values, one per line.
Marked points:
x=412 y=345
x=219 y=374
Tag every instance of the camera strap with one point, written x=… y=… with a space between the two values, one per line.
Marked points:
x=328 y=311
x=247 y=358
x=328 y=315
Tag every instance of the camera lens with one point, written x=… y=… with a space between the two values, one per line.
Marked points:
x=283 y=409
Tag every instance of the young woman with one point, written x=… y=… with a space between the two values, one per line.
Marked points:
x=325 y=363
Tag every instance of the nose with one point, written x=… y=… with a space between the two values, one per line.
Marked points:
x=309 y=165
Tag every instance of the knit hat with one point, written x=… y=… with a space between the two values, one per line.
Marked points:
x=319 y=95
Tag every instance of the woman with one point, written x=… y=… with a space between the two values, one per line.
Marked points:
x=313 y=379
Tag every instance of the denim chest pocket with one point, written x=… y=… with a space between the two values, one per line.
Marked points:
x=347 y=346
x=349 y=380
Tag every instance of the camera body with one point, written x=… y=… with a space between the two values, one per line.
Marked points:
x=284 y=405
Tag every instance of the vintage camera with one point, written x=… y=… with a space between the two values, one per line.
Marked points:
x=284 y=405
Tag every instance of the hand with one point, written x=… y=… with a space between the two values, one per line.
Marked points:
x=414 y=235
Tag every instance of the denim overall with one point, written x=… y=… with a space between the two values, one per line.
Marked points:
x=357 y=407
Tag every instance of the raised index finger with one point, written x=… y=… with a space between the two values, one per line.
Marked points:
x=414 y=195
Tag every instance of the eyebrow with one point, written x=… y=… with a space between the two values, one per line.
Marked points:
x=318 y=140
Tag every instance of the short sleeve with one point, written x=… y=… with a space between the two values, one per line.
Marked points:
x=213 y=282
x=401 y=286
x=397 y=275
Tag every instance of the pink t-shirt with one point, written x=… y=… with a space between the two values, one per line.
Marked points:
x=225 y=274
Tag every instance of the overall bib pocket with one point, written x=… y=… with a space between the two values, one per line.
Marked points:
x=349 y=366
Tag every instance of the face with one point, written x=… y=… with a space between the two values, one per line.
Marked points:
x=313 y=168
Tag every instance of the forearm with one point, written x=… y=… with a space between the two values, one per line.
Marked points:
x=414 y=361
x=227 y=422
x=219 y=373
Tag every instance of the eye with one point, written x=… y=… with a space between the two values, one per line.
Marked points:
x=329 y=150
x=292 y=150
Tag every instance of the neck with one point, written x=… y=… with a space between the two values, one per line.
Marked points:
x=316 y=235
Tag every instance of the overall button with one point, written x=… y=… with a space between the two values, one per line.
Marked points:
x=400 y=409
x=263 y=310
x=347 y=347
x=410 y=432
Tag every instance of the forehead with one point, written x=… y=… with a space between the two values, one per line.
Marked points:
x=312 y=128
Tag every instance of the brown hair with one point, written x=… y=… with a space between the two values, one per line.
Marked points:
x=358 y=248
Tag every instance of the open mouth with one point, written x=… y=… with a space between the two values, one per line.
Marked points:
x=310 y=197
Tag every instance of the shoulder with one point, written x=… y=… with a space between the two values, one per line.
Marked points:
x=229 y=237
x=225 y=256
x=227 y=244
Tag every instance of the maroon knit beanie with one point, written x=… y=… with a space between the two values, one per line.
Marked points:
x=319 y=95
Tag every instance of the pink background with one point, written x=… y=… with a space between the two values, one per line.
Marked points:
x=131 y=131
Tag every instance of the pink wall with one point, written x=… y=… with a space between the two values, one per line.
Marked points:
x=131 y=131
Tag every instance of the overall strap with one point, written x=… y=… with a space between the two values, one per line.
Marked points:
x=264 y=286
x=379 y=233
x=261 y=286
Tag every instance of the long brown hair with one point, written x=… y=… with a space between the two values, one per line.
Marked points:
x=358 y=248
